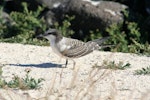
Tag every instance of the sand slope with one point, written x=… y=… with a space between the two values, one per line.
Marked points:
x=82 y=83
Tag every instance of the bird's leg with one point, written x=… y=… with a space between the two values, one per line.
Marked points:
x=66 y=63
x=59 y=62
x=74 y=63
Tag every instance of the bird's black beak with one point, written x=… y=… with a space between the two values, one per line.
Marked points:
x=40 y=36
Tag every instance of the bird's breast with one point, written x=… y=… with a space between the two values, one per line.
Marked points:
x=59 y=48
x=56 y=49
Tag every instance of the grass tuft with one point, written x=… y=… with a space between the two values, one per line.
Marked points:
x=143 y=71
x=22 y=83
x=113 y=65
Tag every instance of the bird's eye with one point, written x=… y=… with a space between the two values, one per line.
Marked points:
x=49 y=33
x=53 y=33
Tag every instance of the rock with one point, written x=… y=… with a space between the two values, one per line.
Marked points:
x=51 y=3
x=16 y=5
x=6 y=19
x=90 y=15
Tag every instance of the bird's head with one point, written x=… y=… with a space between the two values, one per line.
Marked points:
x=51 y=35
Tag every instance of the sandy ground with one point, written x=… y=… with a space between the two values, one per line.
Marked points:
x=82 y=83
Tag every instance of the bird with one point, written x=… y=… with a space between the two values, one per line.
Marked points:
x=70 y=48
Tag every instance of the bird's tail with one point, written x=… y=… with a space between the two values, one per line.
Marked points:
x=105 y=46
x=101 y=41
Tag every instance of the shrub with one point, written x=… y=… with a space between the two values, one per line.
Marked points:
x=128 y=37
x=64 y=28
x=113 y=65
x=144 y=71
x=23 y=29
x=22 y=83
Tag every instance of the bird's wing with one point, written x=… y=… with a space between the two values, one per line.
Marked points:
x=78 y=48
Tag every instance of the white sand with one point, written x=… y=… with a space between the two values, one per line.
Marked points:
x=83 y=83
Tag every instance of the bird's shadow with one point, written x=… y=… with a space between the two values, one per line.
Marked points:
x=42 y=65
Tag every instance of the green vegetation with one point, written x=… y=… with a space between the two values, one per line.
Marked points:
x=65 y=26
x=25 y=23
x=22 y=31
x=143 y=71
x=113 y=65
x=21 y=83
x=129 y=36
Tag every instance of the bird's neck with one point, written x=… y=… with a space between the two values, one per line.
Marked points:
x=54 y=40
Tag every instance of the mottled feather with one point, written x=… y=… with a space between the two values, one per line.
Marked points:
x=78 y=48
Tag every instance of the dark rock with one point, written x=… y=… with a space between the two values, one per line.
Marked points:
x=51 y=3
x=16 y=5
x=90 y=15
